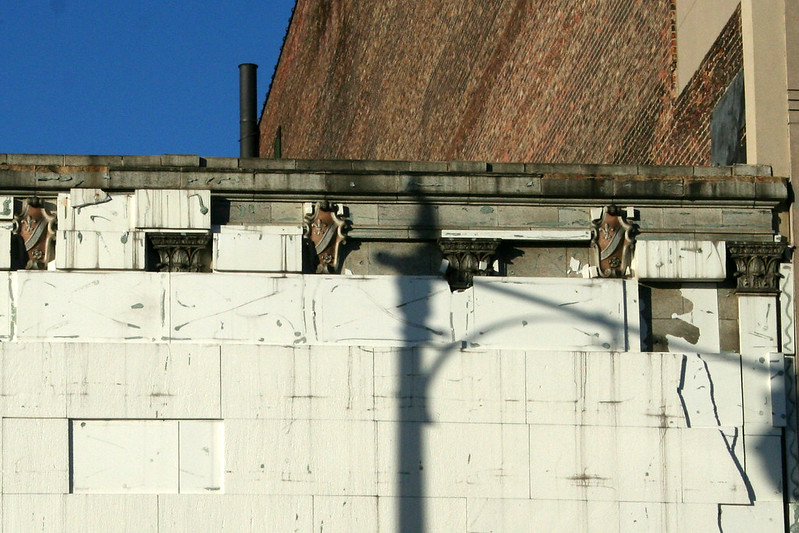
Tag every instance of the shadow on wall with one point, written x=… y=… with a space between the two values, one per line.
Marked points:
x=415 y=388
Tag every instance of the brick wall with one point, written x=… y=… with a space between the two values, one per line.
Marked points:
x=508 y=80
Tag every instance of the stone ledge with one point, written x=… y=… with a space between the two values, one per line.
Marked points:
x=461 y=181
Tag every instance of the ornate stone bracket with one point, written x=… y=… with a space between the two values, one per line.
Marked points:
x=181 y=252
x=326 y=230
x=757 y=265
x=36 y=224
x=468 y=258
x=612 y=243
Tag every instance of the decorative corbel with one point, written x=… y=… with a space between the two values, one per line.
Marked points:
x=757 y=265
x=325 y=229
x=180 y=252
x=468 y=258
x=37 y=225
x=612 y=243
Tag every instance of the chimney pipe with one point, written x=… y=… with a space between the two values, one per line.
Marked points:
x=248 y=88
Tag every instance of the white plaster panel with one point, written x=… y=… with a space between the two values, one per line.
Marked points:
x=118 y=380
x=255 y=308
x=452 y=460
x=34 y=513
x=34 y=380
x=202 y=455
x=173 y=209
x=35 y=456
x=762 y=517
x=711 y=466
x=129 y=513
x=573 y=463
x=648 y=517
x=605 y=464
x=337 y=514
x=787 y=311
x=450 y=385
x=611 y=389
x=8 y=309
x=317 y=382
x=124 y=456
x=100 y=250
x=757 y=322
x=710 y=390
x=680 y=260
x=232 y=513
x=703 y=317
x=778 y=387
x=5 y=248
x=552 y=313
x=439 y=514
x=632 y=319
x=258 y=248
x=764 y=466
x=95 y=210
x=380 y=310
x=333 y=457
x=555 y=516
x=97 y=306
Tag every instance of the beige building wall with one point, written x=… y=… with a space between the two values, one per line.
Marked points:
x=699 y=23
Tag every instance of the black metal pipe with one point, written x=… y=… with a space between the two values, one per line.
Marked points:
x=248 y=89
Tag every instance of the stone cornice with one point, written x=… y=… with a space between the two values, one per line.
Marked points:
x=445 y=182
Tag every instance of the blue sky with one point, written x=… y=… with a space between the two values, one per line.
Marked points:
x=105 y=77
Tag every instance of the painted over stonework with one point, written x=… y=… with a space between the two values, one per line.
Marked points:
x=252 y=386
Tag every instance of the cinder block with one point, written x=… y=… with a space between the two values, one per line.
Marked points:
x=201 y=456
x=452 y=460
x=178 y=513
x=124 y=456
x=31 y=513
x=680 y=260
x=333 y=457
x=449 y=385
x=258 y=248
x=339 y=514
x=100 y=250
x=35 y=456
x=173 y=209
x=34 y=380
x=113 y=306
x=253 y=308
x=129 y=513
x=143 y=381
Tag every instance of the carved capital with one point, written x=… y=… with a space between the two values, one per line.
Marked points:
x=36 y=224
x=181 y=252
x=325 y=230
x=756 y=265
x=468 y=258
x=612 y=243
